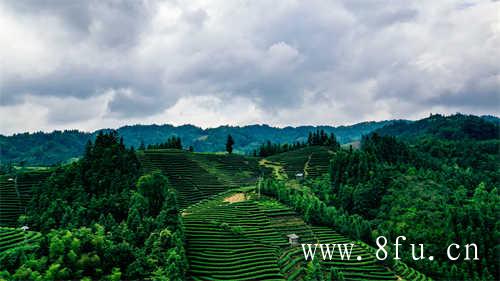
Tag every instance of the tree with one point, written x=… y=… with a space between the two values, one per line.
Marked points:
x=336 y=275
x=229 y=144
x=154 y=187
x=313 y=271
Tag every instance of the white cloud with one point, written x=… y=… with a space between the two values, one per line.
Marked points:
x=238 y=62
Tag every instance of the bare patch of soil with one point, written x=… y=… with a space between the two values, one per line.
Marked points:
x=238 y=197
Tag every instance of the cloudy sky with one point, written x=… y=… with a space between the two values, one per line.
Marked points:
x=93 y=64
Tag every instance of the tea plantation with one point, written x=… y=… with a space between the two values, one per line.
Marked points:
x=232 y=232
x=11 y=238
x=238 y=236
x=15 y=192
x=199 y=176
x=313 y=161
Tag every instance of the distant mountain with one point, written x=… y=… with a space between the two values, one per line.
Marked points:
x=59 y=146
x=491 y=118
x=42 y=148
x=453 y=127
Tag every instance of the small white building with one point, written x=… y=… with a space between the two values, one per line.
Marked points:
x=293 y=239
x=299 y=176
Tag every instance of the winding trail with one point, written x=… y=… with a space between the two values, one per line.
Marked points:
x=278 y=171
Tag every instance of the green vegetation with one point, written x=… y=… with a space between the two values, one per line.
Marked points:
x=61 y=146
x=310 y=160
x=100 y=219
x=319 y=137
x=268 y=148
x=455 y=127
x=165 y=213
x=14 y=240
x=172 y=142
x=16 y=192
x=229 y=144
x=239 y=236
x=433 y=190
x=199 y=176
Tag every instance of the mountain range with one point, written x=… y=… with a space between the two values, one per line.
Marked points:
x=47 y=148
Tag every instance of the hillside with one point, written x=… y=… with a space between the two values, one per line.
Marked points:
x=311 y=161
x=248 y=241
x=248 y=232
x=12 y=239
x=235 y=226
x=59 y=146
x=15 y=193
x=218 y=216
x=453 y=127
x=198 y=176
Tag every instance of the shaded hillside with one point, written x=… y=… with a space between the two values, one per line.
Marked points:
x=59 y=146
x=42 y=148
x=453 y=127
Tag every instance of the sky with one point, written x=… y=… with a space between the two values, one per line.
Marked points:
x=107 y=63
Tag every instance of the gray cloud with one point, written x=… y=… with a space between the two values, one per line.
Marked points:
x=144 y=59
x=128 y=103
x=108 y=23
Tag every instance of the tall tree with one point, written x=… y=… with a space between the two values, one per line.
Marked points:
x=229 y=144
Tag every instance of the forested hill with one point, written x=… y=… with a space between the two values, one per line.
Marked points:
x=454 y=127
x=59 y=146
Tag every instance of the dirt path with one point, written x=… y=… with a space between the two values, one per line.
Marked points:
x=278 y=171
x=306 y=166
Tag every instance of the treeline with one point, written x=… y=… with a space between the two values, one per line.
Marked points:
x=101 y=220
x=434 y=192
x=172 y=142
x=456 y=127
x=318 y=137
x=316 y=211
x=268 y=148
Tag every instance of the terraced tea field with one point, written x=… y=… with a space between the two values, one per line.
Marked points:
x=10 y=202
x=313 y=161
x=11 y=238
x=231 y=234
x=15 y=192
x=236 y=236
x=236 y=169
x=199 y=176
x=317 y=163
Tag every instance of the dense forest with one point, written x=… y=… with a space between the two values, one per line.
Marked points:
x=437 y=188
x=102 y=220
